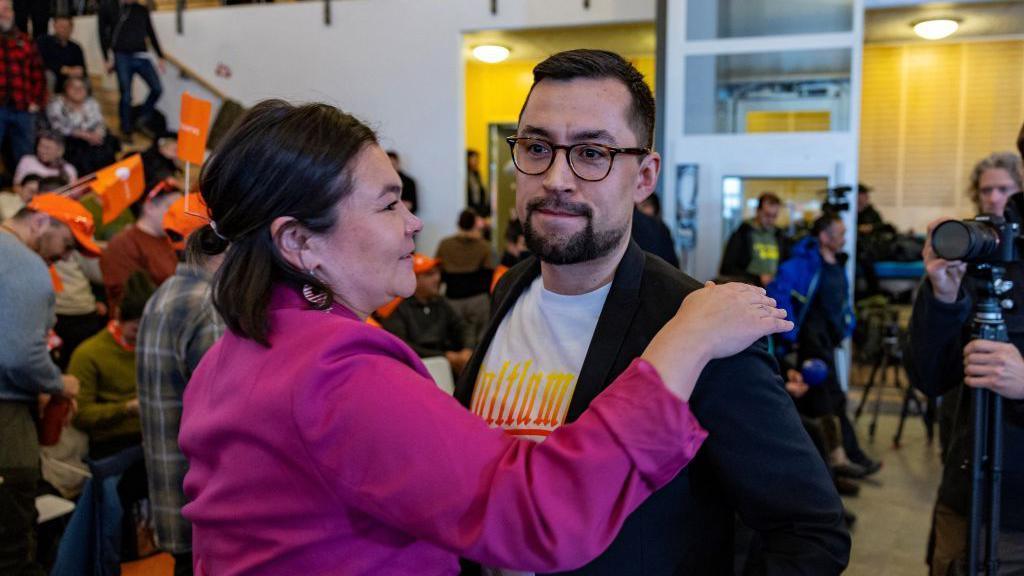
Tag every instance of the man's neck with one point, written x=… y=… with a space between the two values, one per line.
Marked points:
x=575 y=279
x=469 y=234
x=827 y=255
x=16 y=229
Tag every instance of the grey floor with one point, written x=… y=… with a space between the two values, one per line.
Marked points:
x=894 y=510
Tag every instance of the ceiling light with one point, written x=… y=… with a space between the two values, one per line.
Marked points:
x=490 y=53
x=936 y=29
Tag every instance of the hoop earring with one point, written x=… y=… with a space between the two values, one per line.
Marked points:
x=317 y=298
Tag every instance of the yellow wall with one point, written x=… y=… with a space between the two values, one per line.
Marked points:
x=929 y=112
x=496 y=92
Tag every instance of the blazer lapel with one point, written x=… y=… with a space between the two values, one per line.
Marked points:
x=611 y=331
x=506 y=299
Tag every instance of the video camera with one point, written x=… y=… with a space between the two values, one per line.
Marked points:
x=835 y=199
x=985 y=239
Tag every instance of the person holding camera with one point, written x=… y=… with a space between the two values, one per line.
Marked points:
x=942 y=359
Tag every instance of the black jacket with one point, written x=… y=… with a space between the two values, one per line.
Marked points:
x=757 y=461
x=125 y=28
x=652 y=235
x=56 y=56
x=738 y=253
x=938 y=334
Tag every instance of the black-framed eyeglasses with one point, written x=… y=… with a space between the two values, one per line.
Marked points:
x=590 y=162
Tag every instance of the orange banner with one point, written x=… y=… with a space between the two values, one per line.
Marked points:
x=194 y=128
x=119 y=185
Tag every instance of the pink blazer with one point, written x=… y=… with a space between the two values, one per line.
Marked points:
x=333 y=452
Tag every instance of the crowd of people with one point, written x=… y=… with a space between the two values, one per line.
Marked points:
x=610 y=410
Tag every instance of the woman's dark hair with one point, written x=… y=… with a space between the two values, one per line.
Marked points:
x=279 y=160
x=203 y=244
x=137 y=291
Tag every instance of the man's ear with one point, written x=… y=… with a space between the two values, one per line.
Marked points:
x=647 y=178
x=292 y=241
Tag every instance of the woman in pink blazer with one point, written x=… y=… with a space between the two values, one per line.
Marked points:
x=318 y=444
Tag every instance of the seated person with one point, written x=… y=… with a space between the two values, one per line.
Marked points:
x=48 y=161
x=76 y=116
x=160 y=162
x=142 y=246
x=108 y=405
x=13 y=201
x=427 y=322
x=515 y=244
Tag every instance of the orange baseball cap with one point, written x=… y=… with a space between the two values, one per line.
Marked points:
x=73 y=215
x=422 y=263
x=179 y=224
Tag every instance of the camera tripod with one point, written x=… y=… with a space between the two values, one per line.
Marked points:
x=987 y=454
x=889 y=363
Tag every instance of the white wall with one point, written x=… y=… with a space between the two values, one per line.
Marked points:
x=396 y=64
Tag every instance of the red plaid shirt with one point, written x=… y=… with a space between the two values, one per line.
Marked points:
x=22 y=82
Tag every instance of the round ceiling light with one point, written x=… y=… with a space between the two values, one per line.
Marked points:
x=936 y=29
x=490 y=53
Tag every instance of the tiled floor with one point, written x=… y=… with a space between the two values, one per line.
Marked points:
x=894 y=511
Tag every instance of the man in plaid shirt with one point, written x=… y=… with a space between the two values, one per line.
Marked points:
x=178 y=326
x=22 y=84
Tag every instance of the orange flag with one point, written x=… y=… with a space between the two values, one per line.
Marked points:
x=119 y=185
x=194 y=128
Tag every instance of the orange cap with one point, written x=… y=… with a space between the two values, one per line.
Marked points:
x=422 y=263
x=73 y=215
x=182 y=223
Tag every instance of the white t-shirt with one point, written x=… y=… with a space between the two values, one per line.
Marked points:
x=529 y=373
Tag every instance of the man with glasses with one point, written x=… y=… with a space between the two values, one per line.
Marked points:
x=567 y=321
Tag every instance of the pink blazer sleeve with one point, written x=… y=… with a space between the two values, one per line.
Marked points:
x=388 y=442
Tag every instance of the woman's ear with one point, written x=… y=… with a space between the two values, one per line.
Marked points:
x=292 y=241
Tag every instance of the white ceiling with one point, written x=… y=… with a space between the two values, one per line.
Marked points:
x=889 y=21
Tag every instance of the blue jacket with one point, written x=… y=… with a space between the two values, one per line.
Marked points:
x=796 y=284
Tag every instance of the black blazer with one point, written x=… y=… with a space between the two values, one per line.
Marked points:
x=757 y=460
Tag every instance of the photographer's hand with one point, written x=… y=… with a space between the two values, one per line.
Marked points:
x=997 y=366
x=945 y=275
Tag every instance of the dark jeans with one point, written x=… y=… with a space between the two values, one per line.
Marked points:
x=19 y=468
x=127 y=67
x=87 y=158
x=21 y=127
x=38 y=10
x=183 y=564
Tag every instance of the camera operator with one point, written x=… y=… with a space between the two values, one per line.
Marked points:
x=942 y=356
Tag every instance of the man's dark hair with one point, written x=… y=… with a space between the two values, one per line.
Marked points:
x=823 y=223
x=600 y=64
x=467 y=219
x=278 y=160
x=470 y=153
x=31 y=178
x=768 y=199
x=50 y=183
x=137 y=290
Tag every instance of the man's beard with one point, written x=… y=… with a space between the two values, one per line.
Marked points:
x=582 y=246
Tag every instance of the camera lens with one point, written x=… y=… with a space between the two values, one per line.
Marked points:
x=964 y=240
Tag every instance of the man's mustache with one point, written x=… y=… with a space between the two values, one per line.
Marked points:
x=553 y=204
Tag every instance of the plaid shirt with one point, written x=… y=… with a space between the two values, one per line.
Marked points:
x=22 y=81
x=178 y=326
